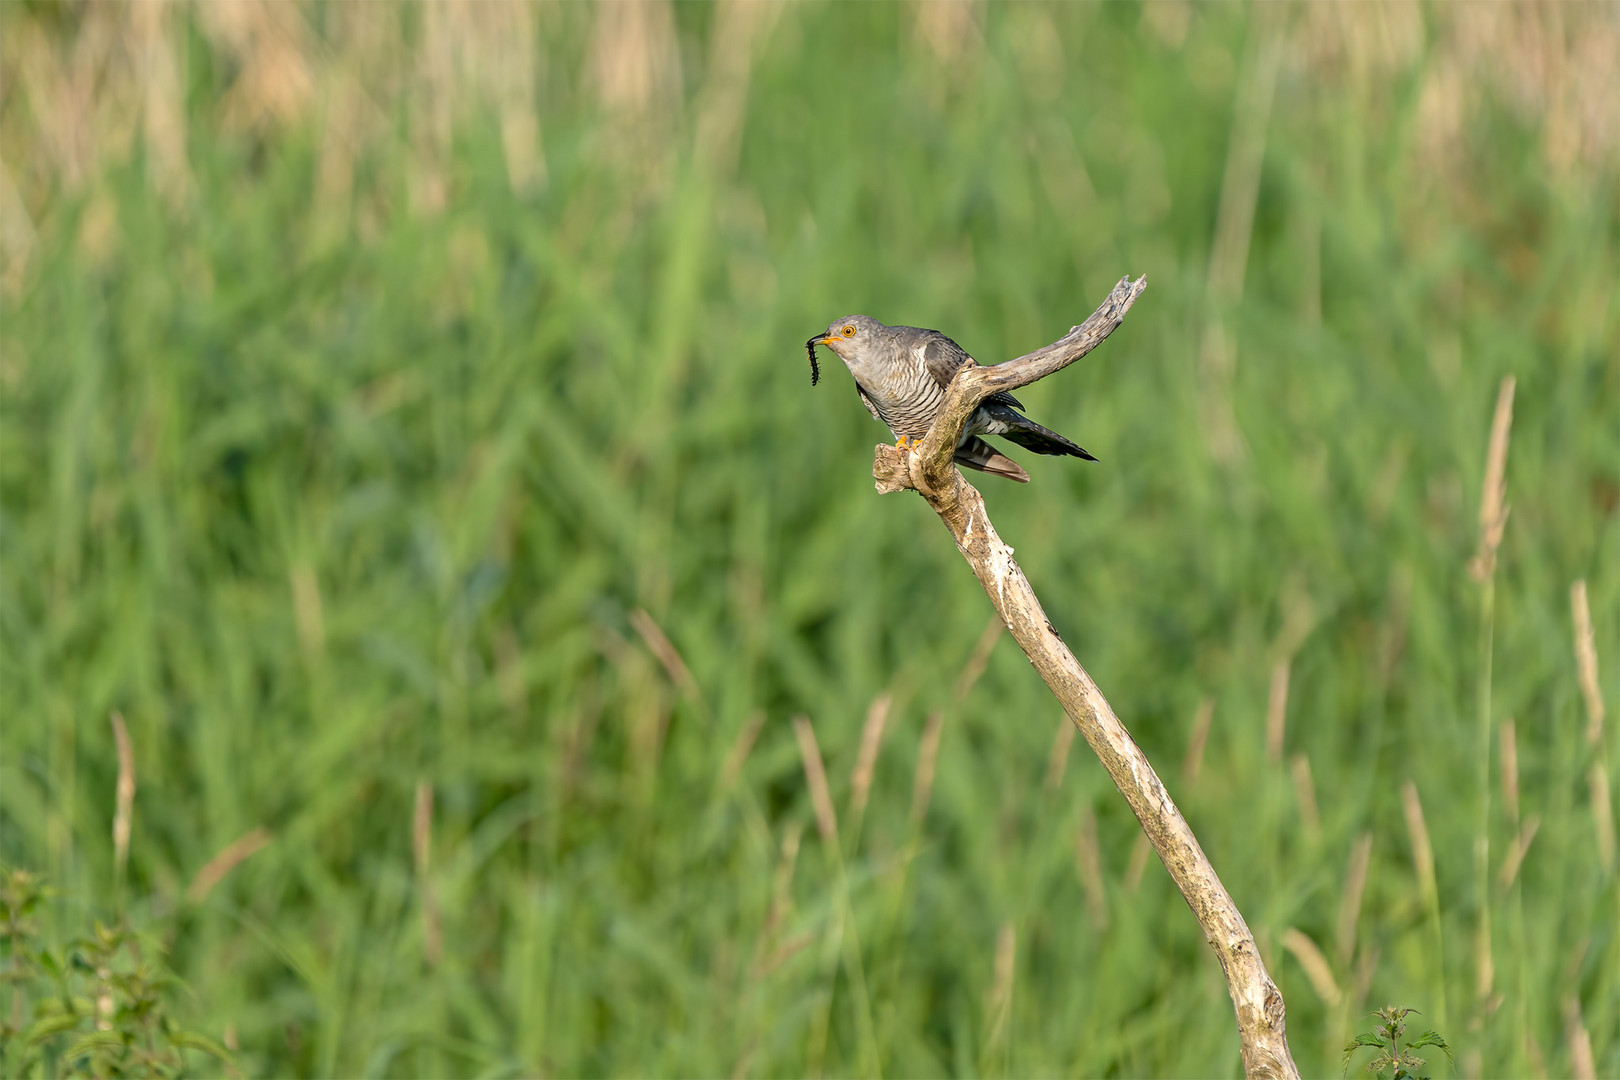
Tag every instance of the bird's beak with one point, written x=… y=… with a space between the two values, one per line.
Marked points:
x=819 y=339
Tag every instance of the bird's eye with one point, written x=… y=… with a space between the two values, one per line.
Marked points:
x=849 y=331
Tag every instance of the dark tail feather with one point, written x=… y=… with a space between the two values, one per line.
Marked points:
x=975 y=453
x=1031 y=436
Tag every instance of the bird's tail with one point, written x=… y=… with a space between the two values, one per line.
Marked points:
x=975 y=453
x=1030 y=435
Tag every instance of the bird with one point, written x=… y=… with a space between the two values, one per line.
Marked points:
x=901 y=373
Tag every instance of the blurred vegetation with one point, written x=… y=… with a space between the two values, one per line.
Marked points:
x=1395 y=1052
x=96 y=1009
x=404 y=425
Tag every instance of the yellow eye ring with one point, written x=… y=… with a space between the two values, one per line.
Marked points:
x=849 y=331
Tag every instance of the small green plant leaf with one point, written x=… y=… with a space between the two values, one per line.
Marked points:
x=1365 y=1038
x=191 y=1040
x=92 y=1041
x=48 y=963
x=42 y=1029
x=1431 y=1038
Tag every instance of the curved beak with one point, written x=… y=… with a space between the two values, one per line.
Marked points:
x=819 y=339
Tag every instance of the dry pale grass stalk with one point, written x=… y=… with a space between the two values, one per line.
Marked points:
x=646 y=706
x=509 y=677
x=1088 y=864
x=422 y=828
x=1493 y=515
x=1521 y=847
x=998 y=1002
x=1317 y=968
x=1240 y=184
x=1484 y=956
x=1277 y=711
x=739 y=25
x=1234 y=229
x=662 y=648
x=1493 y=507
x=422 y=852
x=1392 y=631
x=815 y=773
x=348 y=121
x=123 y=795
x=950 y=28
x=1355 y=885
x=634 y=68
x=635 y=63
x=163 y=113
x=1510 y=769
x=1305 y=792
x=275 y=48
x=922 y=786
x=1366 y=968
x=1418 y=830
x=306 y=591
x=1057 y=762
x=511 y=43
x=767 y=954
x=741 y=747
x=17 y=235
x=229 y=858
x=1194 y=761
x=1597 y=779
x=1136 y=866
x=977 y=660
x=782 y=884
x=433 y=110
x=1538 y=1058
x=1582 y=1063
x=928 y=469
x=1586 y=662
x=788 y=949
x=860 y=779
x=1423 y=866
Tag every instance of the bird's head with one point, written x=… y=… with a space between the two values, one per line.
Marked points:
x=846 y=337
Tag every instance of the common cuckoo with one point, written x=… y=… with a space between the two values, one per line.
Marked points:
x=901 y=373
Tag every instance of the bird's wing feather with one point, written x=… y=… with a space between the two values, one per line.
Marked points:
x=944 y=358
x=868 y=403
x=1018 y=428
x=975 y=453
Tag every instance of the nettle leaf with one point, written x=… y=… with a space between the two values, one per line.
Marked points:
x=191 y=1040
x=49 y=964
x=1365 y=1038
x=1431 y=1038
x=92 y=1041
x=41 y=1030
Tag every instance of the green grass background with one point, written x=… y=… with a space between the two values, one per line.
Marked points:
x=340 y=442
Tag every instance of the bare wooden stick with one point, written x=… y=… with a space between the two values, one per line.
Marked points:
x=929 y=471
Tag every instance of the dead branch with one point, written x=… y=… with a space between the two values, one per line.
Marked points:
x=929 y=471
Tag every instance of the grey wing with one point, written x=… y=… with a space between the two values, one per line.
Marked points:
x=868 y=403
x=945 y=357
